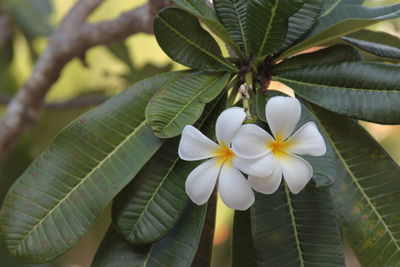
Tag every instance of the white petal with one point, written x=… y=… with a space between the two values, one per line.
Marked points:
x=228 y=123
x=259 y=167
x=234 y=189
x=194 y=145
x=268 y=184
x=296 y=171
x=251 y=142
x=201 y=181
x=307 y=141
x=283 y=114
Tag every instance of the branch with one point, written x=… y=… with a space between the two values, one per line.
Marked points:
x=5 y=29
x=72 y=38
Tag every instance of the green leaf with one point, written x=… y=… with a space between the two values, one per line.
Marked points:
x=267 y=24
x=183 y=39
x=366 y=191
x=31 y=16
x=232 y=14
x=302 y=21
x=149 y=206
x=381 y=44
x=330 y=5
x=332 y=54
x=177 y=249
x=325 y=167
x=121 y=51
x=343 y=20
x=58 y=198
x=243 y=253
x=296 y=230
x=361 y=90
x=204 y=250
x=115 y=251
x=182 y=101
x=206 y=15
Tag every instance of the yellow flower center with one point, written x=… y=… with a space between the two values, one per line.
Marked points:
x=279 y=147
x=224 y=154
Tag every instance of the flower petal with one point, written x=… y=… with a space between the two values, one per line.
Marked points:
x=201 y=181
x=296 y=171
x=251 y=142
x=228 y=123
x=234 y=189
x=259 y=167
x=268 y=184
x=283 y=114
x=194 y=145
x=307 y=141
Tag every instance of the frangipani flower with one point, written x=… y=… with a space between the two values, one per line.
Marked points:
x=252 y=142
x=222 y=165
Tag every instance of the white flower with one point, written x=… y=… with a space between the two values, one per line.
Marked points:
x=252 y=142
x=223 y=164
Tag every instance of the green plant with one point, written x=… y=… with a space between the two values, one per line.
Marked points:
x=126 y=149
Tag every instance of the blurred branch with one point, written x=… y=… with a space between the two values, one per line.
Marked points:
x=5 y=29
x=72 y=39
x=79 y=102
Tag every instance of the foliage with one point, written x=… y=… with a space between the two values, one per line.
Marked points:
x=125 y=150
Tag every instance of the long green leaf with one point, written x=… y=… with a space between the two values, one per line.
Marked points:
x=204 y=250
x=302 y=21
x=330 y=5
x=343 y=20
x=267 y=24
x=296 y=230
x=115 y=251
x=182 y=101
x=207 y=16
x=183 y=39
x=177 y=249
x=332 y=54
x=149 y=206
x=232 y=14
x=243 y=252
x=361 y=90
x=366 y=193
x=58 y=198
x=381 y=44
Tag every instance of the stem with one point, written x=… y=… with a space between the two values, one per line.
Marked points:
x=246 y=106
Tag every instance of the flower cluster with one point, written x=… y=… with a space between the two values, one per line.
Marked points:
x=251 y=150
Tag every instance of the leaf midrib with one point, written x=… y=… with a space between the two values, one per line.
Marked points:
x=266 y=35
x=49 y=213
x=336 y=87
x=354 y=179
x=293 y=220
x=241 y=28
x=189 y=102
x=198 y=47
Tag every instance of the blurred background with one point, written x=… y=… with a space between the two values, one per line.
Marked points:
x=108 y=71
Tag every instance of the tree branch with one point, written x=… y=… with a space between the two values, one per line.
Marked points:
x=5 y=29
x=72 y=38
